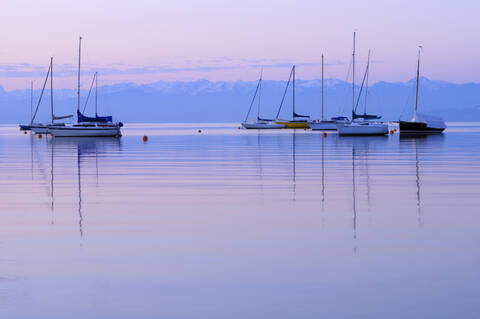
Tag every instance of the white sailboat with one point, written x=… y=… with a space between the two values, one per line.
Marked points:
x=46 y=128
x=260 y=123
x=322 y=125
x=361 y=124
x=421 y=123
x=98 y=126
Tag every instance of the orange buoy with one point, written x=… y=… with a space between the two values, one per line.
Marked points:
x=51 y=134
x=145 y=138
x=324 y=134
x=24 y=132
x=199 y=131
x=391 y=131
x=304 y=128
x=39 y=135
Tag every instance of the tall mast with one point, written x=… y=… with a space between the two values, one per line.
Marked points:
x=78 y=87
x=353 y=73
x=31 y=99
x=51 y=89
x=294 y=92
x=96 y=89
x=322 y=87
x=259 y=92
x=418 y=79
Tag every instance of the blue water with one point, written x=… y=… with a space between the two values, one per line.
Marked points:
x=230 y=223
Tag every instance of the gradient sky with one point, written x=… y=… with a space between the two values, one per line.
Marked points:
x=144 y=40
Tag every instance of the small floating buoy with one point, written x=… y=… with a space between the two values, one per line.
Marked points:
x=324 y=134
x=199 y=131
x=51 y=134
x=39 y=135
x=391 y=131
x=145 y=138
x=24 y=132
x=304 y=128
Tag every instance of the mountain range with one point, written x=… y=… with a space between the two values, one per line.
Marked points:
x=206 y=101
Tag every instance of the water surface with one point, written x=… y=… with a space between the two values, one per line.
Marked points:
x=230 y=223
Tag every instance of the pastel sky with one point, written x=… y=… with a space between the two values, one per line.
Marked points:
x=145 y=40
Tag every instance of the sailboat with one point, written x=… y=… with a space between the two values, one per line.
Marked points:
x=26 y=127
x=46 y=128
x=298 y=120
x=260 y=123
x=322 y=125
x=361 y=124
x=421 y=123
x=98 y=126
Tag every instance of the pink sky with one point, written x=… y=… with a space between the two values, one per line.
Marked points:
x=229 y=40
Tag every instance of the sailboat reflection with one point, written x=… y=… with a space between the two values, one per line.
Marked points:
x=419 y=142
x=86 y=149
x=361 y=149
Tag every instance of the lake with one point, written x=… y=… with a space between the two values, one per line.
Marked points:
x=230 y=223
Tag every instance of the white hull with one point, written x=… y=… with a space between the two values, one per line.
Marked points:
x=75 y=131
x=263 y=125
x=322 y=125
x=363 y=128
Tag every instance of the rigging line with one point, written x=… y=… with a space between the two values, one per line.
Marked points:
x=89 y=92
x=253 y=100
x=346 y=87
x=361 y=88
x=366 y=85
x=41 y=95
x=284 y=93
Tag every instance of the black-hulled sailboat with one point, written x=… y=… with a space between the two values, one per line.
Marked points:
x=421 y=123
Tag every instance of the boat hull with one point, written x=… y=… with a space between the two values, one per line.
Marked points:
x=25 y=127
x=369 y=129
x=40 y=129
x=323 y=125
x=76 y=131
x=417 y=128
x=293 y=124
x=263 y=126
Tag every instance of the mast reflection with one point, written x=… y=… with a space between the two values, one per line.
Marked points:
x=86 y=151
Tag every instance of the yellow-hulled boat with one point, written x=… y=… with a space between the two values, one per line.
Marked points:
x=298 y=121
x=293 y=123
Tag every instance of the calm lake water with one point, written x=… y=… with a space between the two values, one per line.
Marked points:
x=230 y=223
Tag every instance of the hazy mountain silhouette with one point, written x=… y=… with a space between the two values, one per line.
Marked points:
x=205 y=101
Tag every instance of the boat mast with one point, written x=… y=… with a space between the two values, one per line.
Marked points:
x=259 y=92
x=418 y=79
x=353 y=73
x=78 y=87
x=31 y=98
x=96 y=89
x=293 y=92
x=51 y=89
x=322 y=87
